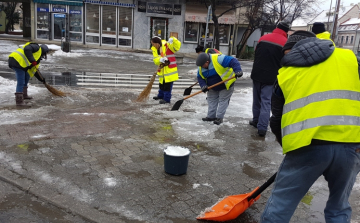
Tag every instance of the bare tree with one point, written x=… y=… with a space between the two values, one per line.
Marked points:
x=12 y=17
x=234 y=4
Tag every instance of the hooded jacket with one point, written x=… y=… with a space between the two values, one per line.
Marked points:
x=268 y=54
x=311 y=53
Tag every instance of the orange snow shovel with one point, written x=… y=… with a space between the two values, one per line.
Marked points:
x=231 y=207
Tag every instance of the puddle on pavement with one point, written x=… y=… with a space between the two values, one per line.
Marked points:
x=80 y=78
x=24 y=204
x=253 y=173
x=138 y=174
x=105 y=160
x=26 y=147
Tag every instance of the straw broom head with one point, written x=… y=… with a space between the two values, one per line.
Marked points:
x=144 y=95
x=55 y=91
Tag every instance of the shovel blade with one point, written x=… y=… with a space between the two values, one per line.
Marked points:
x=187 y=91
x=177 y=105
x=228 y=208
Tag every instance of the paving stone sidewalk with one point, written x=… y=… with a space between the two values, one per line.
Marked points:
x=98 y=155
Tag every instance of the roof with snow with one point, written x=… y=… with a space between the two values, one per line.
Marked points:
x=325 y=16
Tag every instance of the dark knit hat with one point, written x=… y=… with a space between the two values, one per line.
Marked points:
x=284 y=26
x=199 y=48
x=296 y=37
x=201 y=59
x=318 y=27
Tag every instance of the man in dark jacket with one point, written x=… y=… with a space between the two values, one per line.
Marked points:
x=268 y=54
x=25 y=62
x=316 y=118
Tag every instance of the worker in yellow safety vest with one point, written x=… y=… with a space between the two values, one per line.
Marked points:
x=164 y=53
x=316 y=118
x=25 y=62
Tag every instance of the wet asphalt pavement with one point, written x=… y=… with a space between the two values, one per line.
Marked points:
x=96 y=156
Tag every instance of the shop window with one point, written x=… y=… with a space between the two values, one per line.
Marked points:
x=42 y=21
x=124 y=42
x=109 y=20
x=191 y=32
x=92 y=18
x=224 y=34
x=75 y=13
x=125 y=21
x=92 y=39
x=209 y=37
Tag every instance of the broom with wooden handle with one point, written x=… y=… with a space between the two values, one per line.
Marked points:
x=50 y=88
x=144 y=95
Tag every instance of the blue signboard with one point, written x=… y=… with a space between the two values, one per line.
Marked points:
x=59 y=15
x=75 y=11
x=59 y=10
x=43 y=9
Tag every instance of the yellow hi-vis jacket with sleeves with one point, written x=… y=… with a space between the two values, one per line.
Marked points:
x=24 y=62
x=223 y=72
x=316 y=110
x=168 y=73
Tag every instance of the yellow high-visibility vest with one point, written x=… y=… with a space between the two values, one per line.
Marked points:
x=21 y=58
x=321 y=102
x=169 y=73
x=223 y=72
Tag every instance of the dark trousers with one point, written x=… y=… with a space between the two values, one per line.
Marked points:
x=261 y=104
x=165 y=91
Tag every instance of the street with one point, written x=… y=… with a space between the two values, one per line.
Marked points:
x=97 y=156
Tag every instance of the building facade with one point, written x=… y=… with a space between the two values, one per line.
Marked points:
x=130 y=23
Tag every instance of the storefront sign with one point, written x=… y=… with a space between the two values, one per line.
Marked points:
x=43 y=9
x=75 y=11
x=158 y=8
x=59 y=15
x=110 y=3
x=177 y=9
x=58 y=9
x=141 y=6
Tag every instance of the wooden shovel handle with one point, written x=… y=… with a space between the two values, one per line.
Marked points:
x=193 y=85
x=214 y=85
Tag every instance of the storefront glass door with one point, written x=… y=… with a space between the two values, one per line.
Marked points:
x=159 y=27
x=58 y=26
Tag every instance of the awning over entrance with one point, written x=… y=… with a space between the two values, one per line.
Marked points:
x=197 y=13
x=61 y=2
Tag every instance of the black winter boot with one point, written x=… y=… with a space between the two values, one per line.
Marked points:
x=19 y=97
x=253 y=123
x=218 y=121
x=208 y=119
x=156 y=98
x=162 y=101
x=26 y=96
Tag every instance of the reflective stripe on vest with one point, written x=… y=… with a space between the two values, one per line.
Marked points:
x=21 y=58
x=316 y=110
x=223 y=72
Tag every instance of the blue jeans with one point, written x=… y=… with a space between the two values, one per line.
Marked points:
x=261 y=104
x=166 y=94
x=22 y=78
x=339 y=163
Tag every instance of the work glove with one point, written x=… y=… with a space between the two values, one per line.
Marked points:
x=204 y=88
x=163 y=59
x=238 y=74
x=171 y=40
x=33 y=64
